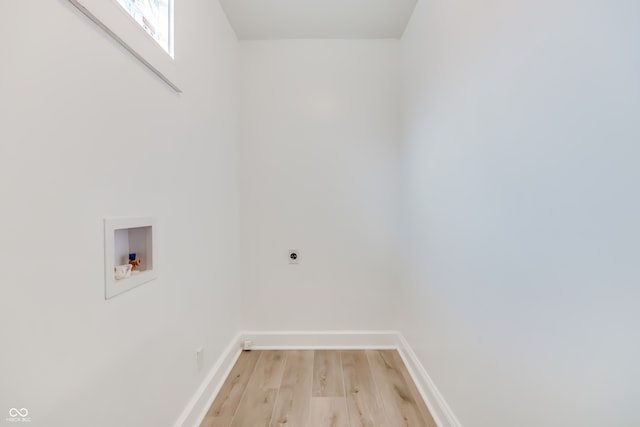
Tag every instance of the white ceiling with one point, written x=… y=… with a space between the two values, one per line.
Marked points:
x=294 y=19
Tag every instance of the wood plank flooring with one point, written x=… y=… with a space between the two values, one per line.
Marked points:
x=323 y=388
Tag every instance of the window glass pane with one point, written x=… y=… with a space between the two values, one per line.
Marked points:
x=154 y=17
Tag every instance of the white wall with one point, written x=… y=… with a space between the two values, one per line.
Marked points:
x=319 y=156
x=86 y=132
x=521 y=157
x=520 y=164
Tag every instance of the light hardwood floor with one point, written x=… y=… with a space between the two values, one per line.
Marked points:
x=322 y=388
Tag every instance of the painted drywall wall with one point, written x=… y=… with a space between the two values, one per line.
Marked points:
x=319 y=154
x=521 y=162
x=87 y=132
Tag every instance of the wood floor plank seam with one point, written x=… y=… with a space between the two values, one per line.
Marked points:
x=277 y=394
x=380 y=398
x=245 y=387
x=377 y=389
x=401 y=405
x=344 y=389
x=326 y=369
x=313 y=363
x=256 y=407
x=275 y=401
x=363 y=399
x=385 y=403
x=294 y=398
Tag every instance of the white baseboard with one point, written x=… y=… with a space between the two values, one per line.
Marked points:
x=198 y=406
x=440 y=410
x=319 y=340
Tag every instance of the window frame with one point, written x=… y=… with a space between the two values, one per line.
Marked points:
x=111 y=17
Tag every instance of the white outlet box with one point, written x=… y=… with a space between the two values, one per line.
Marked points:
x=247 y=345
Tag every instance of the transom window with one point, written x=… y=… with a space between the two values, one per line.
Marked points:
x=155 y=17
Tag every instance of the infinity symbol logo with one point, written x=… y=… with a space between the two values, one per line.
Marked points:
x=13 y=412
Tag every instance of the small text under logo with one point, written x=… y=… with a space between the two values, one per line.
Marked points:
x=18 y=416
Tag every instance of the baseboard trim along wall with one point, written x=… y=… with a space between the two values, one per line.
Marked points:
x=197 y=408
x=440 y=410
x=321 y=340
x=202 y=400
